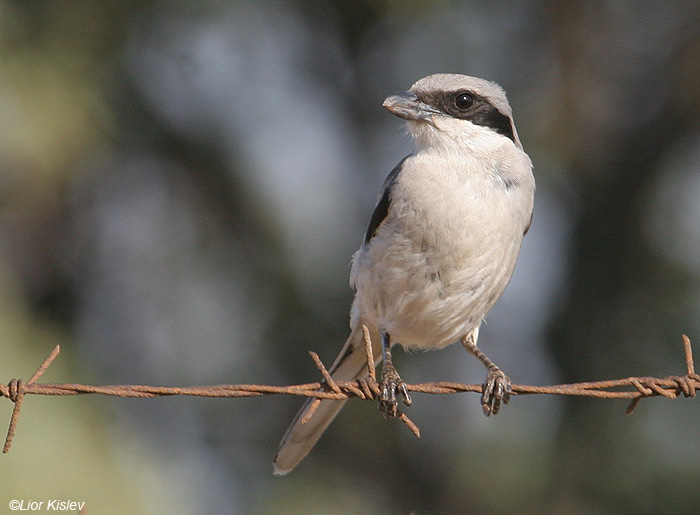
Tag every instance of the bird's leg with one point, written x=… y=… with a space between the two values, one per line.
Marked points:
x=496 y=388
x=391 y=383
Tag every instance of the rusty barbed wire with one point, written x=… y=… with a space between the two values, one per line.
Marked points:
x=367 y=388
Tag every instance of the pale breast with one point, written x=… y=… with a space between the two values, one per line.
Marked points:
x=441 y=258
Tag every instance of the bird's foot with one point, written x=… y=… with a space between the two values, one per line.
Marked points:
x=495 y=390
x=391 y=386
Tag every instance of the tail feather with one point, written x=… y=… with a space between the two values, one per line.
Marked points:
x=301 y=437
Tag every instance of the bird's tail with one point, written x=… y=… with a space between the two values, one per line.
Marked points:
x=302 y=435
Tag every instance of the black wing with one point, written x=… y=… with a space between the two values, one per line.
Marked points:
x=382 y=207
x=528 y=224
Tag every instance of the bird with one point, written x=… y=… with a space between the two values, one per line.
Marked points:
x=440 y=248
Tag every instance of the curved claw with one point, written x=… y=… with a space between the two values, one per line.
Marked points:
x=496 y=390
x=390 y=386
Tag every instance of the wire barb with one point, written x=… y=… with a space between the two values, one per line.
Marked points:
x=369 y=354
x=326 y=376
x=688 y=355
x=16 y=390
x=367 y=388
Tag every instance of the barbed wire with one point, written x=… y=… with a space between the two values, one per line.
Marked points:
x=633 y=388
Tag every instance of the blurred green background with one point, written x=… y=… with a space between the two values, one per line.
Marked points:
x=182 y=185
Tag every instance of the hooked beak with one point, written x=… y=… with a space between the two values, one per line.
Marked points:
x=406 y=105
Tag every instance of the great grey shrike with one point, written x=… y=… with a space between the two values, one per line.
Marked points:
x=441 y=244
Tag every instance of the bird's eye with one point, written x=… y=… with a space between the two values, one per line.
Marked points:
x=464 y=100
